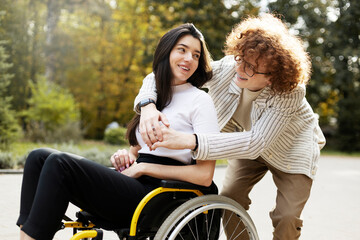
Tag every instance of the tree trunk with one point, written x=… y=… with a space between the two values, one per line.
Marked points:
x=53 y=7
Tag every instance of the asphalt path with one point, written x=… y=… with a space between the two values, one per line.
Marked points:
x=332 y=212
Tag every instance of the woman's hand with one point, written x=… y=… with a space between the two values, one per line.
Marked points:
x=175 y=140
x=135 y=171
x=150 y=124
x=122 y=159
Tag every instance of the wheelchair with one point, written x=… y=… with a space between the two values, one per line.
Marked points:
x=175 y=210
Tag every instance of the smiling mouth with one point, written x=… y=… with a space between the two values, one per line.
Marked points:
x=184 y=68
x=240 y=78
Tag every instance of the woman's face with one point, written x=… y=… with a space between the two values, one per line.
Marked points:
x=184 y=59
x=250 y=75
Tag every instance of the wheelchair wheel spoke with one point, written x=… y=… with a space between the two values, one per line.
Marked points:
x=238 y=223
x=196 y=228
x=192 y=232
x=236 y=237
x=208 y=231
x=228 y=220
x=180 y=235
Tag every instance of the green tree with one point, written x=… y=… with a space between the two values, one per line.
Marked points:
x=110 y=55
x=214 y=18
x=9 y=129
x=53 y=115
x=343 y=47
x=21 y=27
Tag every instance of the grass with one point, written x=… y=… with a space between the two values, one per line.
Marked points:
x=22 y=148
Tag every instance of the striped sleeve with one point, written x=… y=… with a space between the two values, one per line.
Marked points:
x=264 y=132
x=147 y=90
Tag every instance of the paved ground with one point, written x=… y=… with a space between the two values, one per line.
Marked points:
x=332 y=213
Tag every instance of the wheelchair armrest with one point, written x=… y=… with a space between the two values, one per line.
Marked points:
x=212 y=189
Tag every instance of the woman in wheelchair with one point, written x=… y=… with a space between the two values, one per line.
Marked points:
x=52 y=178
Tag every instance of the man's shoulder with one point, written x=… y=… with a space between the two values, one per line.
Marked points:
x=224 y=63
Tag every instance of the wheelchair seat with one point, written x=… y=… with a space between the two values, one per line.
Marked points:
x=212 y=189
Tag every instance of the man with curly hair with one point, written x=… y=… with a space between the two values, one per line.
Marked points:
x=267 y=124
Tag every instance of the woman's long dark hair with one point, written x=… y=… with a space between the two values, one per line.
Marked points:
x=163 y=74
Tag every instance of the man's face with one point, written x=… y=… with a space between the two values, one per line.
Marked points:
x=250 y=75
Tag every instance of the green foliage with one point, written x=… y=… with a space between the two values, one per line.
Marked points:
x=96 y=151
x=69 y=132
x=115 y=136
x=6 y=161
x=22 y=26
x=214 y=18
x=53 y=115
x=9 y=129
x=106 y=55
x=343 y=44
x=102 y=157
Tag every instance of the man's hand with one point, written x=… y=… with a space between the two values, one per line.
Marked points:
x=175 y=140
x=150 y=124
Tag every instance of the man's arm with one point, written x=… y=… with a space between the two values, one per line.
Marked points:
x=147 y=91
x=150 y=117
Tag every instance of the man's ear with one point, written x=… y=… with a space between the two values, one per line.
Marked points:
x=268 y=82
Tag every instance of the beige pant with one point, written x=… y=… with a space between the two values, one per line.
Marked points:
x=293 y=191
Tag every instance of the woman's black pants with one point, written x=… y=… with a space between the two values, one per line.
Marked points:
x=52 y=179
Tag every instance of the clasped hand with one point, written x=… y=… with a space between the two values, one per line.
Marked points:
x=154 y=135
x=156 y=132
x=125 y=163
x=122 y=159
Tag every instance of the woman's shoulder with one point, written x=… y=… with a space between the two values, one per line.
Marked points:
x=197 y=97
x=199 y=94
x=189 y=92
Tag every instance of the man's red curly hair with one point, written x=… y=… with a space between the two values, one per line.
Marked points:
x=267 y=38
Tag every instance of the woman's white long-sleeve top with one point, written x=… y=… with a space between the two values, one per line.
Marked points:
x=285 y=131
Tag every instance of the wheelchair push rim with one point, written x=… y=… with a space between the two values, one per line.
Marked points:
x=185 y=218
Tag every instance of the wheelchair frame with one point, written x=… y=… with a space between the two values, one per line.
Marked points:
x=89 y=230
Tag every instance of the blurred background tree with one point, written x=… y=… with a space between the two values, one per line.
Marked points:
x=53 y=115
x=332 y=32
x=9 y=128
x=100 y=50
x=342 y=45
x=214 y=18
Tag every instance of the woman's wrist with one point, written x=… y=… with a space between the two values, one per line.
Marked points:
x=142 y=168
